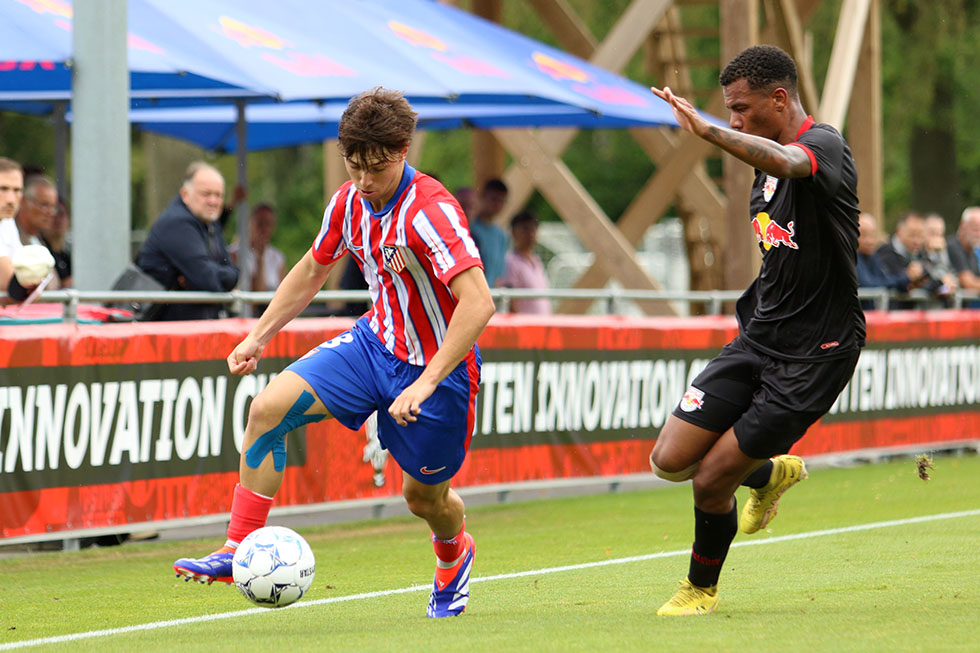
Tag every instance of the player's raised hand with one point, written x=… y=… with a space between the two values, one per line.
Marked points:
x=684 y=112
x=244 y=359
x=408 y=405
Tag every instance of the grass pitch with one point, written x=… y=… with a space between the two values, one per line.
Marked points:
x=864 y=558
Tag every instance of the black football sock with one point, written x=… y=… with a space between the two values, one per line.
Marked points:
x=713 y=534
x=760 y=477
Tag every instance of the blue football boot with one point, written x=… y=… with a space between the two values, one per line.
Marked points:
x=451 y=599
x=206 y=570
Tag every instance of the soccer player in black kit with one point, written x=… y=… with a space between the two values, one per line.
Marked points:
x=800 y=323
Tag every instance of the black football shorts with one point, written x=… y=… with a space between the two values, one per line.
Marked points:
x=769 y=401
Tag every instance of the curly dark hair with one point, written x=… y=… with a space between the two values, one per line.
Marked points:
x=764 y=67
x=376 y=126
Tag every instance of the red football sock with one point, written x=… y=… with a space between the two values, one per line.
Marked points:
x=450 y=550
x=249 y=511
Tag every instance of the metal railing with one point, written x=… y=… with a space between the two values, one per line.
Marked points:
x=712 y=301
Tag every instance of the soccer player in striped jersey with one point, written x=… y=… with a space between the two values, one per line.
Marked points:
x=412 y=357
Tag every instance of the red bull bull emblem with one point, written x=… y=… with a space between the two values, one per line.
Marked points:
x=559 y=70
x=769 y=188
x=771 y=234
x=692 y=400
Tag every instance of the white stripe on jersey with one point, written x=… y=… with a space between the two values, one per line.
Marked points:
x=389 y=322
x=428 y=232
x=450 y=211
x=413 y=346
x=325 y=226
x=427 y=295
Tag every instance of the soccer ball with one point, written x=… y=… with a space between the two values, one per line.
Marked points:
x=273 y=567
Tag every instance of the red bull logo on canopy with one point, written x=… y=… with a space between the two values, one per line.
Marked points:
x=292 y=61
x=63 y=15
x=559 y=69
x=771 y=234
x=56 y=7
x=249 y=36
x=417 y=36
x=583 y=83
x=441 y=52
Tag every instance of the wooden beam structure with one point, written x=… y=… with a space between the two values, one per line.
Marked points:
x=864 y=118
x=844 y=61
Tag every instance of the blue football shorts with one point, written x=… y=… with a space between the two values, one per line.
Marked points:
x=354 y=375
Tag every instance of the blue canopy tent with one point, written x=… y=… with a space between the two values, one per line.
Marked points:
x=36 y=58
x=458 y=69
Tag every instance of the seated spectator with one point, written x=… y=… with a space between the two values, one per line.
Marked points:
x=905 y=253
x=11 y=193
x=962 y=251
x=21 y=234
x=185 y=249
x=55 y=238
x=936 y=260
x=490 y=239
x=869 y=270
x=266 y=266
x=523 y=268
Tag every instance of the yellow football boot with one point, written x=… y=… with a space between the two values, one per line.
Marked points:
x=690 y=600
x=761 y=507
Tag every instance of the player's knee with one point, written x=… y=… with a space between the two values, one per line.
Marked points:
x=263 y=409
x=421 y=505
x=669 y=471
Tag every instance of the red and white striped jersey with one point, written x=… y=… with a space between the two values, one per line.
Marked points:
x=408 y=253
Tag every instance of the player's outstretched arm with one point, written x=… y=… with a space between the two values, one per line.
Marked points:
x=761 y=153
x=473 y=310
x=293 y=295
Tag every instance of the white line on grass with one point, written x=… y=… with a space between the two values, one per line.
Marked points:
x=519 y=574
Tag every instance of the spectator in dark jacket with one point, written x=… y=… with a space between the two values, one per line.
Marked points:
x=869 y=270
x=185 y=249
x=905 y=253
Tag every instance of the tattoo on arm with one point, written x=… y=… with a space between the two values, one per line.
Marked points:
x=748 y=149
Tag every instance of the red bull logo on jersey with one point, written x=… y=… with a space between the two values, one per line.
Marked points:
x=692 y=400
x=772 y=234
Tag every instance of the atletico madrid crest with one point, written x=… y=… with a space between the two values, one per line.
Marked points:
x=394 y=260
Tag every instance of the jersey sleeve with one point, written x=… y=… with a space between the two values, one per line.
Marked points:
x=445 y=240
x=825 y=149
x=330 y=243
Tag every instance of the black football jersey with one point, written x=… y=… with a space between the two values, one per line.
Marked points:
x=804 y=303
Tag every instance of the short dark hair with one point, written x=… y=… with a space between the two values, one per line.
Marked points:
x=523 y=218
x=908 y=215
x=764 y=67
x=495 y=185
x=263 y=206
x=376 y=126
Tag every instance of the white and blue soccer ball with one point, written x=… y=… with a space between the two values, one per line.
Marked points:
x=273 y=567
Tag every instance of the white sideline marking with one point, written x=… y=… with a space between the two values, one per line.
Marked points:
x=519 y=574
